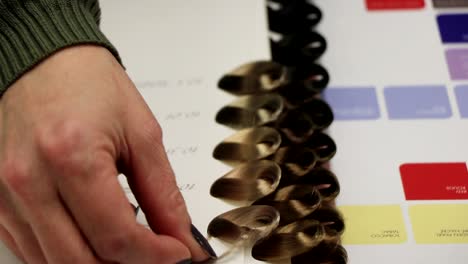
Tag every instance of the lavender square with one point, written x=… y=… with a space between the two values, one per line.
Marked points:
x=457 y=60
x=417 y=102
x=461 y=93
x=353 y=103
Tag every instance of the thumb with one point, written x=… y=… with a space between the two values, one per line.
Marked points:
x=154 y=185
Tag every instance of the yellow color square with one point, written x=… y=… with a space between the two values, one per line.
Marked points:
x=373 y=225
x=440 y=224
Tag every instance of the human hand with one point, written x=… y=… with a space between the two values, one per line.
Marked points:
x=68 y=127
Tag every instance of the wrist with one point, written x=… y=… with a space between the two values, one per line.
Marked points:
x=38 y=29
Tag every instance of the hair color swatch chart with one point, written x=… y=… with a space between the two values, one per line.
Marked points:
x=398 y=91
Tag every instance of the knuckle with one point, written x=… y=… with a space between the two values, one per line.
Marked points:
x=177 y=200
x=16 y=176
x=114 y=246
x=59 y=143
x=153 y=132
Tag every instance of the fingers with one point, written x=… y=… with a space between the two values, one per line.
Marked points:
x=27 y=246
x=8 y=240
x=50 y=234
x=153 y=183
x=5 y=235
x=100 y=207
x=57 y=233
x=11 y=220
x=76 y=201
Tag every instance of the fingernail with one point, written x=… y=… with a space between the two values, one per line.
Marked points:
x=136 y=209
x=203 y=242
x=187 y=261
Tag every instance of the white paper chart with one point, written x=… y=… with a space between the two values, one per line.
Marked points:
x=175 y=51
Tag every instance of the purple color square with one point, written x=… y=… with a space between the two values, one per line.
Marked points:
x=457 y=60
x=353 y=103
x=417 y=102
x=461 y=93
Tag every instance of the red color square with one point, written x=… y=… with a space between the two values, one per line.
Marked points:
x=394 y=4
x=435 y=181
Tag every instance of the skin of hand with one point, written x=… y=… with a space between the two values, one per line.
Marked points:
x=68 y=127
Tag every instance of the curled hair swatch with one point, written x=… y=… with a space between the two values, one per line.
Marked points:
x=248 y=145
x=245 y=224
x=296 y=122
x=254 y=78
x=248 y=182
x=295 y=84
x=289 y=241
x=251 y=111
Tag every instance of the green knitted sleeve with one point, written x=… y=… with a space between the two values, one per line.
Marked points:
x=32 y=30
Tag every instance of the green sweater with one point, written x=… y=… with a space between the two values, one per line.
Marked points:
x=32 y=30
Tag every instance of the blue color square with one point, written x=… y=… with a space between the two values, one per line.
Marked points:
x=417 y=102
x=353 y=103
x=453 y=28
x=461 y=93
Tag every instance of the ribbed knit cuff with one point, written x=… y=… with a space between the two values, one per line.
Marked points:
x=32 y=30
